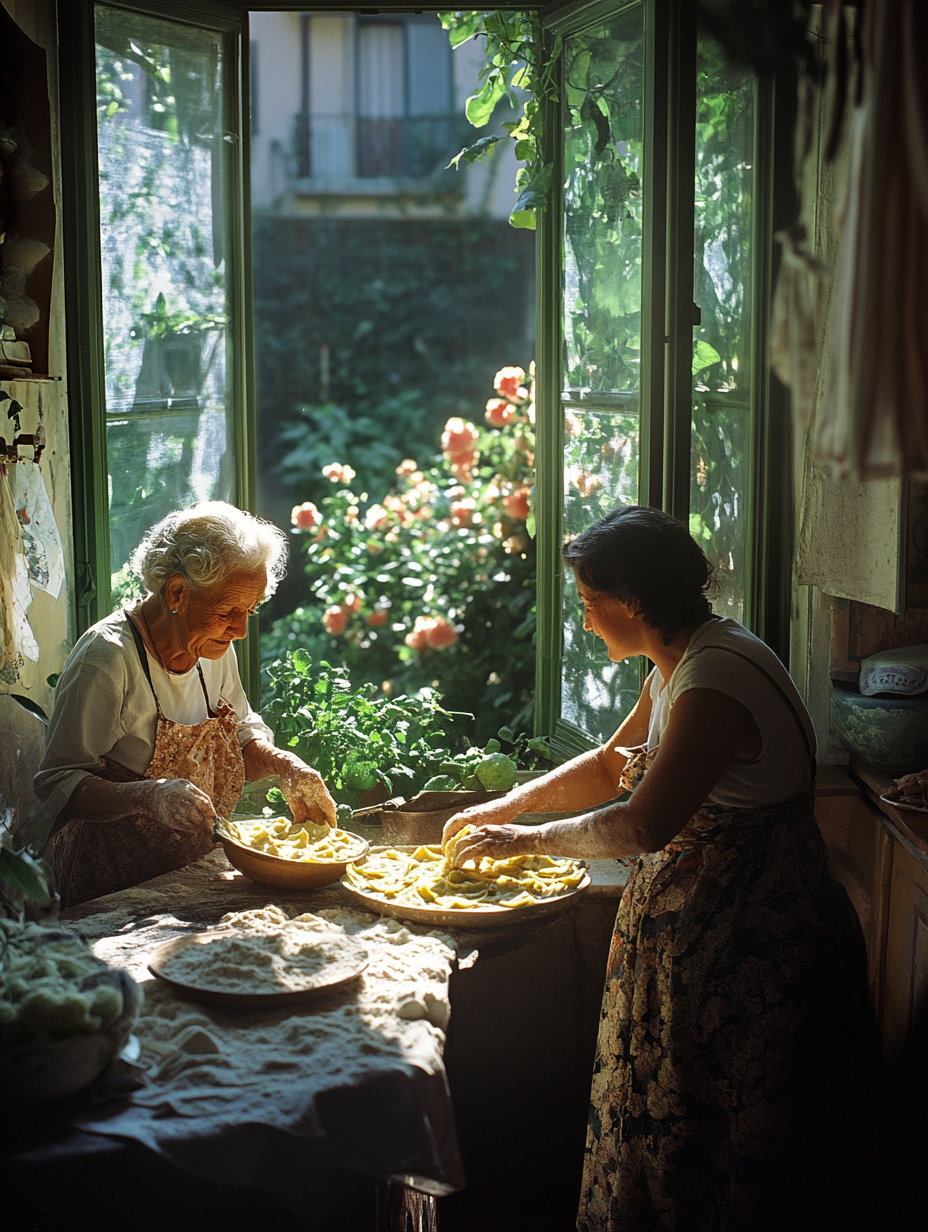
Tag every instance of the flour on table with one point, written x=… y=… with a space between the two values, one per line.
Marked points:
x=290 y=961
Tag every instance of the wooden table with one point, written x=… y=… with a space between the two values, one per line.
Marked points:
x=524 y=1018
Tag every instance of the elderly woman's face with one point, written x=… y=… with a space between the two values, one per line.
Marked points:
x=211 y=619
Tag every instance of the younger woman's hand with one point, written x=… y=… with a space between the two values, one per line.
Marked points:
x=492 y=813
x=496 y=842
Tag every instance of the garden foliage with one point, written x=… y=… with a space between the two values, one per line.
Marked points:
x=432 y=585
x=358 y=739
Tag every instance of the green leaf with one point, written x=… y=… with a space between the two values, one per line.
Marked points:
x=18 y=869
x=461 y=26
x=704 y=355
x=534 y=196
x=470 y=154
x=32 y=707
x=481 y=105
x=523 y=218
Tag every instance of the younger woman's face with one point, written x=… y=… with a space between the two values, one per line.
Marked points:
x=617 y=623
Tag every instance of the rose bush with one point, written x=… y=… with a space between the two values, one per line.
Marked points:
x=432 y=584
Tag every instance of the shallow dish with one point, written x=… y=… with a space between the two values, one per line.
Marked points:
x=899 y=804
x=471 y=919
x=290 y=874
x=350 y=961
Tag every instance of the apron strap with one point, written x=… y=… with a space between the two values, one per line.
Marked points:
x=143 y=659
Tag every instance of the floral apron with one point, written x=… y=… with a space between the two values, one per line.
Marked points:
x=735 y=1026
x=92 y=858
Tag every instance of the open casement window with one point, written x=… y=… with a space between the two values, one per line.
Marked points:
x=159 y=297
x=655 y=260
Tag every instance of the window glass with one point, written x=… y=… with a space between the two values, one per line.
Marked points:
x=162 y=169
x=721 y=441
x=603 y=72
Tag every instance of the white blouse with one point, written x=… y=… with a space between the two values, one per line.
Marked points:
x=104 y=707
x=782 y=767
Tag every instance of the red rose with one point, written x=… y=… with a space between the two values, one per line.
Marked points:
x=441 y=634
x=334 y=621
x=305 y=516
x=508 y=382
x=379 y=616
x=350 y=604
x=458 y=437
x=499 y=412
x=516 y=504
x=462 y=511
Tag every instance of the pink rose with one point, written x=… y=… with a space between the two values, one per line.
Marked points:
x=417 y=639
x=407 y=467
x=334 y=621
x=442 y=634
x=461 y=466
x=379 y=616
x=508 y=381
x=458 y=437
x=499 y=412
x=305 y=516
x=516 y=504
x=462 y=511
x=338 y=473
x=376 y=518
x=350 y=604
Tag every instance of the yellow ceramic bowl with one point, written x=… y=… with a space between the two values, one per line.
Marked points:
x=290 y=874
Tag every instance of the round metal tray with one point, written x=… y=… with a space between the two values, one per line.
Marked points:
x=471 y=919
x=349 y=963
x=900 y=804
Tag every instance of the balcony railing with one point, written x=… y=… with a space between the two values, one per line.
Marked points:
x=329 y=152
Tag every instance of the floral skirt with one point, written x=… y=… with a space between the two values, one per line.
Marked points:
x=735 y=1032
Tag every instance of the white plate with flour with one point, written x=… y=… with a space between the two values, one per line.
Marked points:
x=257 y=970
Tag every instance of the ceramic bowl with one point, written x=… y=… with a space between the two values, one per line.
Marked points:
x=42 y=1072
x=888 y=734
x=289 y=874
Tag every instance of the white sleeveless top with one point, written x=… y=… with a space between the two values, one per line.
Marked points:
x=782 y=768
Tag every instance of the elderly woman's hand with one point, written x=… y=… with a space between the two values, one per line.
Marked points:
x=306 y=794
x=497 y=843
x=179 y=805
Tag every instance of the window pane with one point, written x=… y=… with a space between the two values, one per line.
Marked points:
x=602 y=326
x=722 y=290
x=165 y=302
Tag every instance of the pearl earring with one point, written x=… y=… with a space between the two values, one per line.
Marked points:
x=173 y=611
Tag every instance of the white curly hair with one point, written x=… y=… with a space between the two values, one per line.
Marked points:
x=206 y=543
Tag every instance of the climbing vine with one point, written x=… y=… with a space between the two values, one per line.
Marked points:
x=517 y=62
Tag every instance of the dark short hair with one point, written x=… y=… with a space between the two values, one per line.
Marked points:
x=645 y=557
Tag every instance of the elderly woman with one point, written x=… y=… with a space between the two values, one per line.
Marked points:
x=735 y=1012
x=152 y=736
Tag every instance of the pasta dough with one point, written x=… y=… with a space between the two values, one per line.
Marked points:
x=278 y=836
x=427 y=877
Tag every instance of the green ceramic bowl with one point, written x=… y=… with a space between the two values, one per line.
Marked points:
x=887 y=734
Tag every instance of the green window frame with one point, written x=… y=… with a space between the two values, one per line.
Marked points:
x=84 y=291
x=665 y=378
